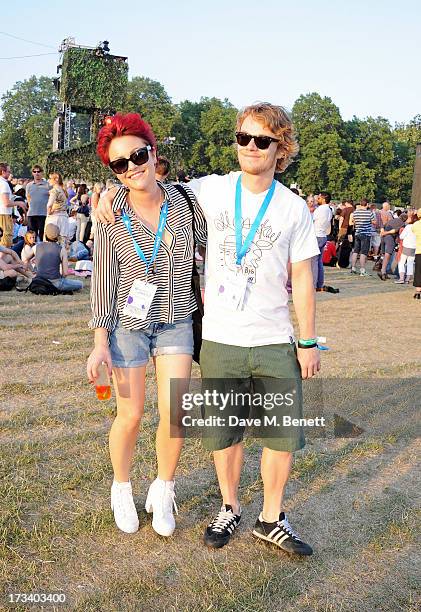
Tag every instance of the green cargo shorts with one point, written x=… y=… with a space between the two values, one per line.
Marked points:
x=260 y=370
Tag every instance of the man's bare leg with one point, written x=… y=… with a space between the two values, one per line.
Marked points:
x=275 y=469
x=228 y=464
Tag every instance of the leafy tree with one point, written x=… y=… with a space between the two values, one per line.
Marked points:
x=217 y=124
x=400 y=185
x=314 y=116
x=370 y=142
x=320 y=130
x=149 y=99
x=26 y=126
x=362 y=183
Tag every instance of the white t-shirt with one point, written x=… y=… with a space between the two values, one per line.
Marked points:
x=286 y=233
x=72 y=228
x=4 y=188
x=408 y=238
x=322 y=218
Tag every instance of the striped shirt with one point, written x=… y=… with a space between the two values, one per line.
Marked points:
x=363 y=221
x=117 y=265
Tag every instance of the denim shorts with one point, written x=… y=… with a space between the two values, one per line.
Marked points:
x=362 y=244
x=131 y=348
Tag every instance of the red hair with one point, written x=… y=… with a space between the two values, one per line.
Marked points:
x=130 y=124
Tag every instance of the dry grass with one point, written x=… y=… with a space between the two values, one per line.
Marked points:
x=353 y=499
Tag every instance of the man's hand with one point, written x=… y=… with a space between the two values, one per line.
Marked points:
x=104 y=212
x=309 y=360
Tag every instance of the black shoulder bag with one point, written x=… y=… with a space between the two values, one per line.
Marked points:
x=197 y=315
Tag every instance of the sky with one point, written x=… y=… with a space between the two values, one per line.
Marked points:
x=363 y=54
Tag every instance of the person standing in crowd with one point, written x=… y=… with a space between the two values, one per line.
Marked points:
x=322 y=218
x=363 y=220
x=407 y=254
x=142 y=304
x=37 y=194
x=57 y=207
x=70 y=188
x=96 y=194
x=51 y=261
x=375 y=236
x=6 y=206
x=389 y=233
x=82 y=217
x=162 y=169
x=416 y=229
x=310 y=203
x=344 y=220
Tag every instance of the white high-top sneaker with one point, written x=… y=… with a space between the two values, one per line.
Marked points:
x=160 y=501
x=122 y=505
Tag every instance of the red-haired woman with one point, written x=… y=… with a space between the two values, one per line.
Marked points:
x=142 y=304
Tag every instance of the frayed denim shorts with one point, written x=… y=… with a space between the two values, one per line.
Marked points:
x=131 y=348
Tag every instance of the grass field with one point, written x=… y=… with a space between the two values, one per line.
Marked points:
x=354 y=499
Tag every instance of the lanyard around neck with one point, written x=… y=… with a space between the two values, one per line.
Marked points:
x=241 y=249
x=158 y=237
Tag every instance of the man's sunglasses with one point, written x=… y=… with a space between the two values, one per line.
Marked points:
x=138 y=157
x=261 y=142
x=36 y=171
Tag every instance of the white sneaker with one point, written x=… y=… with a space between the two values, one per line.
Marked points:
x=160 y=501
x=122 y=505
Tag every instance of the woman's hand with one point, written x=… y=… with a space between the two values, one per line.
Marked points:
x=100 y=354
x=104 y=212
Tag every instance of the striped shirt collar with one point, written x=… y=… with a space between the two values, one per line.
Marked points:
x=120 y=201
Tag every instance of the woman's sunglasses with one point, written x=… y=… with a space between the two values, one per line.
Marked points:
x=261 y=142
x=138 y=157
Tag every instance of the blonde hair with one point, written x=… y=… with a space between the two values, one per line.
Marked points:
x=276 y=119
x=26 y=236
x=59 y=180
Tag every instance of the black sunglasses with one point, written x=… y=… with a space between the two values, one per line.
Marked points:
x=138 y=157
x=261 y=142
x=36 y=171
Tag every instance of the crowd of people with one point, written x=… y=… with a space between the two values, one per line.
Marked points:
x=348 y=233
x=44 y=224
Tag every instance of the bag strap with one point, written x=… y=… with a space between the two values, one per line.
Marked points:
x=188 y=199
x=195 y=271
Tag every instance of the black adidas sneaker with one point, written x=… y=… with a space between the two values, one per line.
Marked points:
x=219 y=531
x=281 y=533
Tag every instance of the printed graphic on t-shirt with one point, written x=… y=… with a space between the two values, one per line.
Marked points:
x=263 y=240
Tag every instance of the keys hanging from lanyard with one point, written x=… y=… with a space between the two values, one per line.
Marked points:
x=241 y=248
x=158 y=238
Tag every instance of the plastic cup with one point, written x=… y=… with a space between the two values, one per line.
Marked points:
x=102 y=383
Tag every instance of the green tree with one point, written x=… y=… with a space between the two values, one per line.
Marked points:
x=217 y=124
x=206 y=130
x=362 y=184
x=400 y=185
x=314 y=116
x=29 y=109
x=151 y=101
x=320 y=131
x=370 y=142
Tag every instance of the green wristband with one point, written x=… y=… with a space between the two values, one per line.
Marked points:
x=307 y=342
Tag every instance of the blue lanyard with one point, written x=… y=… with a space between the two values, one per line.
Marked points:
x=241 y=249
x=158 y=237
